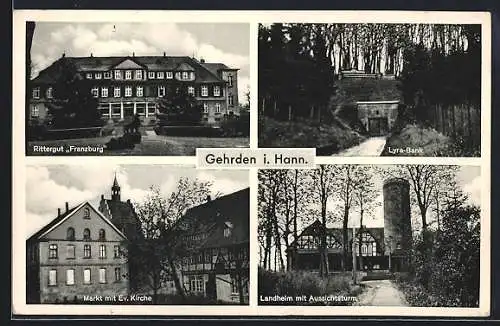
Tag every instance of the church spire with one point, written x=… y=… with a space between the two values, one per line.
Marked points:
x=115 y=190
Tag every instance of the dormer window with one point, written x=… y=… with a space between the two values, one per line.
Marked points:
x=89 y=75
x=185 y=75
x=138 y=74
x=36 y=92
x=170 y=75
x=107 y=75
x=128 y=74
x=160 y=75
x=118 y=74
x=151 y=75
x=216 y=90
x=228 y=229
x=191 y=75
x=98 y=75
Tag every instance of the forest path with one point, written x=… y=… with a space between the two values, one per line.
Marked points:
x=381 y=293
x=373 y=146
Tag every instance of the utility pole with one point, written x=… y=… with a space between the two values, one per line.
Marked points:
x=353 y=249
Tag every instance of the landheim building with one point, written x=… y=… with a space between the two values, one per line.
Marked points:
x=130 y=85
x=382 y=248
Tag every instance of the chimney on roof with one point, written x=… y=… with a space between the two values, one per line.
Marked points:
x=202 y=60
x=63 y=55
x=67 y=207
x=102 y=197
x=164 y=54
x=58 y=211
x=209 y=198
x=133 y=54
x=91 y=54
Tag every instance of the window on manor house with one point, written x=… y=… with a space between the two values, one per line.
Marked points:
x=86 y=276
x=53 y=277
x=191 y=90
x=35 y=111
x=87 y=252
x=140 y=91
x=374 y=248
x=53 y=251
x=185 y=75
x=95 y=92
x=36 y=93
x=230 y=81
x=86 y=213
x=160 y=75
x=116 y=92
x=161 y=91
x=70 y=277
x=102 y=251
x=102 y=275
x=170 y=75
x=118 y=74
x=49 y=92
x=104 y=92
x=205 y=107
x=230 y=100
x=151 y=75
x=98 y=75
x=89 y=75
x=86 y=234
x=107 y=75
x=217 y=107
x=117 y=253
x=70 y=252
x=128 y=91
x=204 y=90
x=70 y=234
x=138 y=74
x=216 y=90
x=128 y=74
x=191 y=75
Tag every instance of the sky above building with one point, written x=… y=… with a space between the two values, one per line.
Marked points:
x=467 y=178
x=227 y=43
x=49 y=187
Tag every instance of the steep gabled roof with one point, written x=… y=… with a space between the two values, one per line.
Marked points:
x=39 y=235
x=204 y=72
x=212 y=217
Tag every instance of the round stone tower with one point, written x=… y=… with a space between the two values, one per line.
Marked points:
x=397 y=221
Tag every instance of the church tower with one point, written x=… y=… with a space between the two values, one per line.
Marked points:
x=115 y=190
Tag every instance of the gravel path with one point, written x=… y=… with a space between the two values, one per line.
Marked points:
x=371 y=147
x=381 y=293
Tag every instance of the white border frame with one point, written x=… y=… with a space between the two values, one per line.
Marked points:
x=253 y=18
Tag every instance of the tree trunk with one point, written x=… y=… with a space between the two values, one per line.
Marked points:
x=178 y=285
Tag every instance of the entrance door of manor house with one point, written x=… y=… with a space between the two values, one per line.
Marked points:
x=377 y=126
x=128 y=109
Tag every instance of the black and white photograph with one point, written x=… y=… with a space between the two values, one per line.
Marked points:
x=370 y=235
x=136 y=235
x=146 y=88
x=371 y=89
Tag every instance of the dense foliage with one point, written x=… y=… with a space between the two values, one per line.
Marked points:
x=178 y=107
x=73 y=105
x=446 y=261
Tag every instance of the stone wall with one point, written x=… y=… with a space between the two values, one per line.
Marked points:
x=378 y=109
